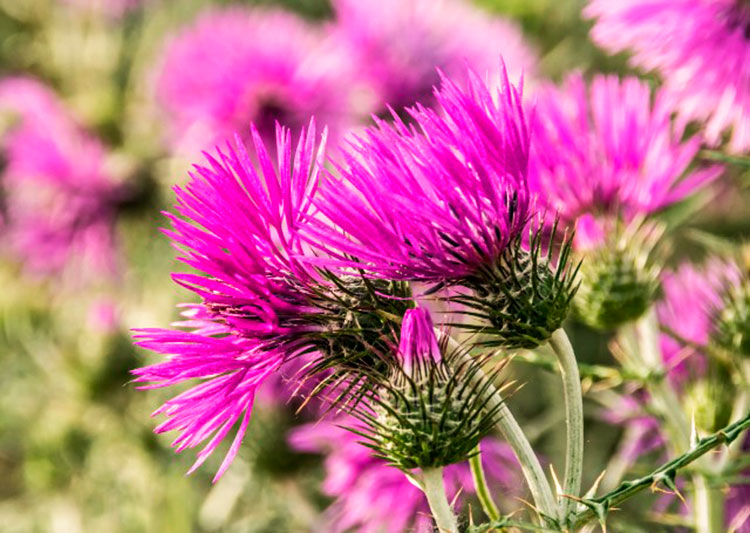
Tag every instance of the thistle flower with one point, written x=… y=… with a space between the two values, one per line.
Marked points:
x=60 y=200
x=604 y=158
x=399 y=45
x=699 y=47
x=235 y=66
x=372 y=496
x=436 y=201
x=263 y=306
x=427 y=413
x=445 y=201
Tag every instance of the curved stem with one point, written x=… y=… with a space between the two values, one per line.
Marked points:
x=434 y=489
x=514 y=436
x=480 y=483
x=568 y=365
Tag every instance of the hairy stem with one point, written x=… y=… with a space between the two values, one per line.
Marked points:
x=566 y=360
x=480 y=483
x=434 y=489
x=598 y=507
x=514 y=436
x=708 y=507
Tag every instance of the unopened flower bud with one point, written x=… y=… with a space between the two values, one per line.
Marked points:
x=733 y=320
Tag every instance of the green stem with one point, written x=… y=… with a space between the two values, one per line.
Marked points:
x=598 y=507
x=567 y=363
x=480 y=483
x=434 y=489
x=663 y=396
x=708 y=506
x=514 y=436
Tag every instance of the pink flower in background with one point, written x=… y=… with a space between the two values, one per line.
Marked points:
x=372 y=496
x=609 y=150
x=60 y=199
x=239 y=230
x=692 y=297
x=235 y=66
x=701 y=48
x=435 y=200
x=399 y=45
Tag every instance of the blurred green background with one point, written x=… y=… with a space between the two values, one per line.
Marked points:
x=77 y=452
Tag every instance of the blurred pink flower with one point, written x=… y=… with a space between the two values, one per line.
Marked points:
x=373 y=497
x=234 y=66
x=60 y=199
x=399 y=45
x=609 y=151
x=691 y=299
x=700 y=47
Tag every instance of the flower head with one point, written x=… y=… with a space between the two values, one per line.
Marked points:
x=60 y=199
x=262 y=306
x=436 y=201
x=608 y=151
x=372 y=496
x=235 y=66
x=700 y=48
x=399 y=45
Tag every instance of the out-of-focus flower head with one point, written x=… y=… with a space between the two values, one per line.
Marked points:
x=372 y=496
x=436 y=200
x=263 y=306
x=60 y=201
x=398 y=45
x=609 y=151
x=692 y=299
x=234 y=66
x=700 y=47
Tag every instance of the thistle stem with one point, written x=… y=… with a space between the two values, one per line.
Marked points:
x=708 y=506
x=434 y=489
x=480 y=483
x=663 y=395
x=568 y=365
x=514 y=436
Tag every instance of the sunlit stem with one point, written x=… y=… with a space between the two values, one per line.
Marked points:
x=708 y=506
x=539 y=486
x=434 y=489
x=480 y=483
x=568 y=366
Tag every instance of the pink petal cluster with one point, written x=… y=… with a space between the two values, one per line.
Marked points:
x=61 y=200
x=239 y=229
x=701 y=48
x=418 y=344
x=692 y=297
x=399 y=45
x=234 y=66
x=372 y=496
x=434 y=200
x=609 y=150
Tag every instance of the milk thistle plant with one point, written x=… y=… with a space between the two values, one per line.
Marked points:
x=335 y=264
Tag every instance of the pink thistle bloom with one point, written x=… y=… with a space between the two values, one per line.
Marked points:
x=436 y=200
x=692 y=297
x=418 y=345
x=372 y=496
x=235 y=66
x=701 y=49
x=240 y=231
x=61 y=200
x=609 y=151
x=399 y=45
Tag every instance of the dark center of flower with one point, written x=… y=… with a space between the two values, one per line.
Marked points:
x=737 y=17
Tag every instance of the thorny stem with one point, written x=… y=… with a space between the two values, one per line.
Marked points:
x=598 y=507
x=434 y=489
x=480 y=483
x=514 y=436
x=566 y=360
